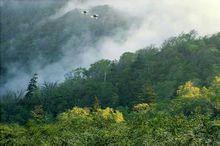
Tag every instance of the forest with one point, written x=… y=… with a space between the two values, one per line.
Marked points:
x=158 y=95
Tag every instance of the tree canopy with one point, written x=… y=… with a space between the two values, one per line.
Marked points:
x=168 y=95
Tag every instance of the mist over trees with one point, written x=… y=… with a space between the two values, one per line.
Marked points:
x=166 y=95
x=47 y=35
x=76 y=80
x=33 y=39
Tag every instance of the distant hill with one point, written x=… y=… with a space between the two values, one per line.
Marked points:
x=31 y=38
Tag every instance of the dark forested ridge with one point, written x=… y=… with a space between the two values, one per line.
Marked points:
x=33 y=36
x=168 y=95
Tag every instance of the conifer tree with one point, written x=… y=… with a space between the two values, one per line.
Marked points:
x=147 y=95
x=32 y=87
x=151 y=95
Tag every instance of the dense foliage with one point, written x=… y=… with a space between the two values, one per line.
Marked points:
x=158 y=96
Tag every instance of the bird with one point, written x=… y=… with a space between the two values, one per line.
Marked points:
x=95 y=16
x=85 y=12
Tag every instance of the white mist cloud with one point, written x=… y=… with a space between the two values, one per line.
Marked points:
x=160 y=19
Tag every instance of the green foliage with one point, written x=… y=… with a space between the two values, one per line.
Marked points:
x=38 y=113
x=81 y=126
x=13 y=135
x=163 y=129
x=96 y=104
x=189 y=91
x=32 y=87
x=163 y=96
x=147 y=94
x=141 y=107
x=109 y=114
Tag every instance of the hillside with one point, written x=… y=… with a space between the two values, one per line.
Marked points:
x=33 y=38
x=109 y=73
x=167 y=95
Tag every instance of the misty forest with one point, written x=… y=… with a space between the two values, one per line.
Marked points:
x=102 y=72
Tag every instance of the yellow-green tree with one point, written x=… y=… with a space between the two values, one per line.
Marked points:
x=189 y=91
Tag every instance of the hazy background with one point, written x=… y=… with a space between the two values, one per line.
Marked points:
x=52 y=37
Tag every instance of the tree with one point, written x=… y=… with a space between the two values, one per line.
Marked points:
x=78 y=73
x=215 y=94
x=188 y=90
x=96 y=104
x=38 y=113
x=147 y=94
x=151 y=94
x=141 y=107
x=32 y=97
x=100 y=70
x=32 y=87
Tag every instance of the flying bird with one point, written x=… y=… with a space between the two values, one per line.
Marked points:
x=85 y=12
x=95 y=16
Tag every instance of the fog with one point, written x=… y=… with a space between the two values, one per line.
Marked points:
x=151 y=22
x=159 y=20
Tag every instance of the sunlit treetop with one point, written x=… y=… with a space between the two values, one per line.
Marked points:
x=111 y=115
x=188 y=90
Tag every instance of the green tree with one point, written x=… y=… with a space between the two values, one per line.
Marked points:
x=215 y=95
x=96 y=104
x=141 y=107
x=38 y=113
x=147 y=94
x=32 y=86
x=32 y=97
x=100 y=70
x=188 y=90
